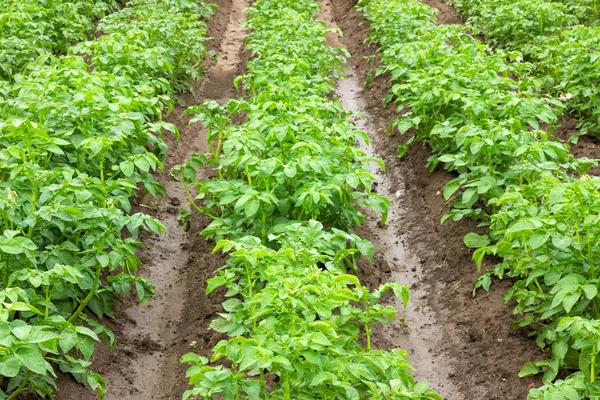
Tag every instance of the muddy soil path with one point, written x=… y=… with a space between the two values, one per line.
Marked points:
x=419 y=335
x=151 y=338
x=465 y=346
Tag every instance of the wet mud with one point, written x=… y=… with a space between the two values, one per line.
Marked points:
x=465 y=346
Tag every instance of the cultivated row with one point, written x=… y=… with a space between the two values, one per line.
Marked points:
x=30 y=28
x=482 y=118
x=74 y=140
x=290 y=184
x=562 y=41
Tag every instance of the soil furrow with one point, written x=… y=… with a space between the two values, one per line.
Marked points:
x=465 y=346
x=419 y=334
x=151 y=338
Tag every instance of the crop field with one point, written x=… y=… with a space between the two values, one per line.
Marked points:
x=299 y=199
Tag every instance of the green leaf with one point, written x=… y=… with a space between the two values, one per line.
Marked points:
x=476 y=146
x=193 y=358
x=534 y=123
x=321 y=339
x=251 y=207
x=21 y=331
x=538 y=239
x=402 y=150
x=570 y=300
x=447 y=158
x=523 y=225
x=561 y=242
x=31 y=359
x=366 y=248
x=469 y=196
x=352 y=180
x=529 y=369
x=9 y=366
x=451 y=188
x=142 y=164
x=17 y=245
x=290 y=171
x=590 y=291
x=475 y=241
x=352 y=393
x=320 y=378
x=127 y=168
x=213 y=283
x=485 y=184
x=232 y=304
x=68 y=340
x=249 y=359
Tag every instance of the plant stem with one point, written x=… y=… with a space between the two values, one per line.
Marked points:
x=89 y=297
x=193 y=203
x=248 y=175
x=20 y=388
x=287 y=388
x=592 y=369
x=47 y=303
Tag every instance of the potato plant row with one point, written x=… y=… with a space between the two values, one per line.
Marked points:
x=79 y=138
x=481 y=117
x=516 y=23
x=562 y=41
x=289 y=184
x=30 y=28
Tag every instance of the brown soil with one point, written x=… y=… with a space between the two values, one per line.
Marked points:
x=586 y=146
x=151 y=338
x=447 y=15
x=468 y=348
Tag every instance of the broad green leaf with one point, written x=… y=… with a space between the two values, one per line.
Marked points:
x=9 y=366
x=476 y=241
x=366 y=248
x=251 y=207
x=31 y=359
x=127 y=168
x=538 y=239
x=529 y=369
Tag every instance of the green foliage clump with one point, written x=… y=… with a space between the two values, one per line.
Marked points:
x=30 y=28
x=290 y=185
x=482 y=117
x=77 y=143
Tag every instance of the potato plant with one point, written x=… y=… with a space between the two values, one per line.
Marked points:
x=290 y=184
x=30 y=28
x=560 y=38
x=587 y=11
x=568 y=63
x=481 y=117
x=515 y=23
x=77 y=143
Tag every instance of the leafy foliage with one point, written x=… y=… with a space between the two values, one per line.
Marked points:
x=290 y=184
x=587 y=11
x=30 y=28
x=564 y=54
x=482 y=118
x=515 y=23
x=569 y=63
x=74 y=150
x=152 y=38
